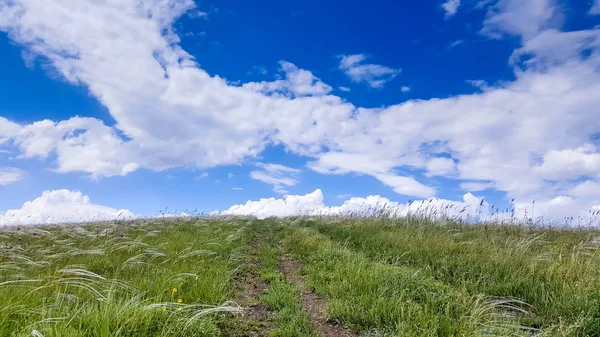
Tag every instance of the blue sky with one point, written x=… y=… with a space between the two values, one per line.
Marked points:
x=201 y=105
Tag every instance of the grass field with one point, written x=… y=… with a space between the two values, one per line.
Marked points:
x=298 y=277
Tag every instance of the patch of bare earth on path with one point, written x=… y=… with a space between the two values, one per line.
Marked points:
x=256 y=316
x=312 y=304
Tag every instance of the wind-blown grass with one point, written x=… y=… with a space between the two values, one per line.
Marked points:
x=379 y=276
x=391 y=300
x=552 y=275
x=152 y=278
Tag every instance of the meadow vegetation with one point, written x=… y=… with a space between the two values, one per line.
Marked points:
x=375 y=276
x=150 y=278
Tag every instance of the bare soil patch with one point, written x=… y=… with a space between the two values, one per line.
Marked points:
x=256 y=317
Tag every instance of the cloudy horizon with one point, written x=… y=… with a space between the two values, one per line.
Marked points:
x=126 y=107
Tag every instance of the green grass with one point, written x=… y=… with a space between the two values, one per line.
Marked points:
x=121 y=280
x=378 y=277
x=554 y=273
x=282 y=297
x=390 y=300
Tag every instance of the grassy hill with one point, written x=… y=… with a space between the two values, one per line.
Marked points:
x=298 y=277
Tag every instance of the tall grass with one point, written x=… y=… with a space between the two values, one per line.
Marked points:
x=142 y=278
x=554 y=274
x=414 y=276
x=394 y=300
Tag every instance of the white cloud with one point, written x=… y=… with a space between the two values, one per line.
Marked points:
x=475 y=186
x=373 y=74
x=479 y=84
x=343 y=162
x=230 y=175
x=405 y=185
x=172 y=215
x=171 y=113
x=291 y=205
x=450 y=7
x=570 y=163
x=455 y=43
x=471 y=208
x=202 y=176
x=80 y=144
x=521 y=18
x=237 y=188
x=378 y=166
x=195 y=14
x=586 y=189
x=313 y=204
x=440 y=166
x=297 y=83
x=346 y=89
x=9 y=175
x=405 y=89
x=260 y=70
x=552 y=47
x=7 y=129
x=61 y=206
x=556 y=209
x=279 y=176
x=595 y=8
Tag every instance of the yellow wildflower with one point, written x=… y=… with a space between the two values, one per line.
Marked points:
x=174 y=290
x=164 y=308
x=179 y=300
x=178 y=309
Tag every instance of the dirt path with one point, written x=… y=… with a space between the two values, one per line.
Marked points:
x=256 y=318
x=312 y=304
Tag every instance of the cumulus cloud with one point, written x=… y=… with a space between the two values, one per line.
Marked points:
x=405 y=185
x=376 y=165
x=9 y=175
x=570 y=163
x=267 y=207
x=7 y=129
x=450 y=7
x=440 y=166
x=313 y=204
x=470 y=208
x=552 y=47
x=279 y=176
x=80 y=144
x=373 y=74
x=586 y=189
x=170 y=113
x=297 y=83
x=521 y=18
x=60 y=206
